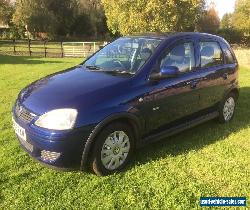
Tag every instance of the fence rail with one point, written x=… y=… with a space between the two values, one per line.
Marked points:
x=49 y=49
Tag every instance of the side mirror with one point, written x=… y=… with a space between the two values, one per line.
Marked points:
x=166 y=72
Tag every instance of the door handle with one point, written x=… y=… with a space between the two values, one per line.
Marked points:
x=193 y=84
x=225 y=76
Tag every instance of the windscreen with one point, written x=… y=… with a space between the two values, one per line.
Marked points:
x=124 y=55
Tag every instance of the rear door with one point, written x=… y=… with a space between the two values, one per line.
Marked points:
x=213 y=73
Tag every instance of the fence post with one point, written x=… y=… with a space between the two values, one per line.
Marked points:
x=29 y=42
x=62 y=49
x=84 y=53
x=14 y=46
x=45 y=49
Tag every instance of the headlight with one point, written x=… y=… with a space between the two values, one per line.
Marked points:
x=58 y=119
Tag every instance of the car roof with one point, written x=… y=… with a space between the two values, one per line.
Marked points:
x=169 y=35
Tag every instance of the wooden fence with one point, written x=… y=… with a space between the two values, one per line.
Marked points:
x=49 y=49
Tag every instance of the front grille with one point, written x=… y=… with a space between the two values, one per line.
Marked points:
x=24 y=114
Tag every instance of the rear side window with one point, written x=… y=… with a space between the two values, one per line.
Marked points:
x=228 y=56
x=211 y=54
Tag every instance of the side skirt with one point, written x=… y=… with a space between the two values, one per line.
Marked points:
x=181 y=127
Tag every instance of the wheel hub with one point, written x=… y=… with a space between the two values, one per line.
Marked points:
x=115 y=150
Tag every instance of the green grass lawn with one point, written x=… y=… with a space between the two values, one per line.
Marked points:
x=208 y=160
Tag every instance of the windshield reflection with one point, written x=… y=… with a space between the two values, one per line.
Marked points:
x=124 y=55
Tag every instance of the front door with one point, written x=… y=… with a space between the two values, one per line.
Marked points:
x=175 y=98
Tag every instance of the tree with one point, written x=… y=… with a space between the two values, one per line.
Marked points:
x=227 y=21
x=210 y=21
x=52 y=17
x=92 y=20
x=241 y=16
x=6 y=11
x=126 y=16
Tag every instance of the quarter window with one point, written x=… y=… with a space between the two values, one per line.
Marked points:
x=211 y=54
x=181 y=56
x=228 y=56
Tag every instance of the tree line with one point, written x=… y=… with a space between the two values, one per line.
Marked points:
x=102 y=19
x=54 y=19
x=235 y=27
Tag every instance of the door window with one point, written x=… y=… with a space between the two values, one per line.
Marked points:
x=211 y=54
x=181 y=56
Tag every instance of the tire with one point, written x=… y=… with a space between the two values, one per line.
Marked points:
x=227 y=108
x=109 y=155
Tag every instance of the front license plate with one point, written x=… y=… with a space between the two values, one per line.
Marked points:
x=19 y=130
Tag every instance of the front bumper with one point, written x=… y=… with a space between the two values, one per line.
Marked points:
x=60 y=149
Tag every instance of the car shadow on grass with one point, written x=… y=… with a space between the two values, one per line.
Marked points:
x=198 y=137
x=7 y=59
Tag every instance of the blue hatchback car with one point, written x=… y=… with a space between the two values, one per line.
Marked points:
x=136 y=90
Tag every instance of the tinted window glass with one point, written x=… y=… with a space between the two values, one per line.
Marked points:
x=211 y=54
x=228 y=56
x=181 y=56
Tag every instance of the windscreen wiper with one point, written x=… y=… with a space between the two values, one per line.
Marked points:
x=93 y=67
x=119 y=71
x=114 y=71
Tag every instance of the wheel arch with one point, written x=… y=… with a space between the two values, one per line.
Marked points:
x=235 y=91
x=128 y=118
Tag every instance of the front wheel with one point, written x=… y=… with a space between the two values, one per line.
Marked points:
x=227 y=108
x=113 y=148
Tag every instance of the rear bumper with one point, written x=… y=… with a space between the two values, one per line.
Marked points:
x=61 y=150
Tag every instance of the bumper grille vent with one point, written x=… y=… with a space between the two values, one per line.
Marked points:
x=49 y=156
x=24 y=114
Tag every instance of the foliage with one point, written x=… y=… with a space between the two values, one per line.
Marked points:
x=241 y=16
x=126 y=17
x=208 y=160
x=232 y=35
x=235 y=27
x=53 y=17
x=60 y=18
x=91 y=20
x=6 y=11
x=227 y=21
x=210 y=21
x=12 y=33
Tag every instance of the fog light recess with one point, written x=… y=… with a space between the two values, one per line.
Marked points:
x=49 y=156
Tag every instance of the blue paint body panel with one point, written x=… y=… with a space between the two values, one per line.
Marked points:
x=98 y=96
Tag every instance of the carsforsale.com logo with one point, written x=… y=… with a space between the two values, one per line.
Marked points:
x=223 y=201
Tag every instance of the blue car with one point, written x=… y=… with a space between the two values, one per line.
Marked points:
x=136 y=90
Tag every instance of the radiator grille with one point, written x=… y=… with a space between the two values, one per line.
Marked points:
x=24 y=114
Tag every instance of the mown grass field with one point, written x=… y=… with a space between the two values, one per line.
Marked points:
x=208 y=160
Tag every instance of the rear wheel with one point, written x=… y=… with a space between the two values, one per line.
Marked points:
x=227 y=108
x=113 y=148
